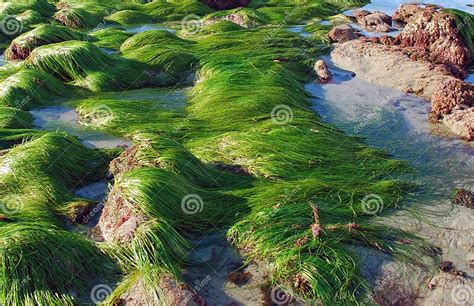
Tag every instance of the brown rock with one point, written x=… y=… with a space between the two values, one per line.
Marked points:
x=461 y=123
x=171 y=291
x=405 y=12
x=465 y=198
x=435 y=34
x=225 y=4
x=376 y=21
x=451 y=94
x=343 y=33
x=322 y=71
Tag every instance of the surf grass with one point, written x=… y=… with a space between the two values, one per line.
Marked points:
x=177 y=62
x=40 y=261
x=127 y=17
x=221 y=26
x=248 y=17
x=300 y=164
x=85 y=65
x=44 y=34
x=155 y=37
x=76 y=17
x=111 y=38
x=28 y=88
x=14 y=118
x=175 y=9
x=465 y=25
x=42 y=7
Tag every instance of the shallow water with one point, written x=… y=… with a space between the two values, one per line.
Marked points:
x=147 y=27
x=390 y=6
x=3 y=61
x=66 y=119
x=397 y=122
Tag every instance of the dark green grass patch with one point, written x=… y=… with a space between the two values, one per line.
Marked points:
x=14 y=118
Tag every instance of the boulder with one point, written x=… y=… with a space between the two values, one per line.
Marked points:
x=451 y=94
x=225 y=4
x=433 y=34
x=376 y=21
x=343 y=33
x=322 y=71
x=461 y=123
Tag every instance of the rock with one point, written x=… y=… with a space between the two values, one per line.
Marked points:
x=343 y=33
x=434 y=34
x=461 y=123
x=225 y=4
x=322 y=71
x=405 y=12
x=451 y=94
x=175 y=293
x=389 y=66
x=376 y=21
x=465 y=198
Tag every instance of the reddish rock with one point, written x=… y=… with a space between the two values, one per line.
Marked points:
x=452 y=94
x=225 y=4
x=322 y=71
x=434 y=34
x=376 y=21
x=343 y=33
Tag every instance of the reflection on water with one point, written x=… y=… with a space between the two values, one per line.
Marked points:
x=66 y=119
x=398 y=123
x=147 y=27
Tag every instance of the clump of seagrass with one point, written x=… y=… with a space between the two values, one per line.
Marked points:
x=86 y=65
x=28 y=88
x=21 y=46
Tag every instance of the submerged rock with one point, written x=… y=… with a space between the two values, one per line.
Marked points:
x=322 y=71
x=343 y=33
x=376 y=21
x=389 y=66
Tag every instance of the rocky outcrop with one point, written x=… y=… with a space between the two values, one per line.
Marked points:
x=225 y=4
x=176 y=293
x=343 y=33
x=452 y=99
x=389 y=66
x=376 y=21
x=461 y=123
x=433 y=35
x=322 y=71
x=451 y=94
